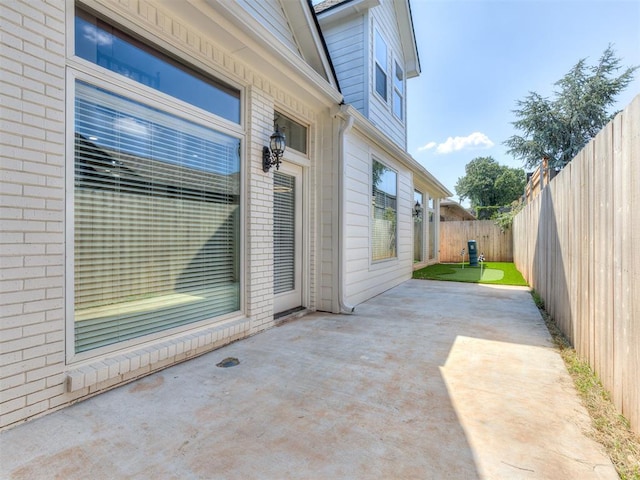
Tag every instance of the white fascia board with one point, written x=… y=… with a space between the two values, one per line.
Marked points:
x=308 y=37
x=408 y=38
x=248 y=40
x=364 y=126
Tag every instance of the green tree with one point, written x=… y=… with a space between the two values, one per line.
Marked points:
x=558 y=128
x=488 y=184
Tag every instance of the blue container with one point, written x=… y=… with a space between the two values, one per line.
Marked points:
x=473 y=253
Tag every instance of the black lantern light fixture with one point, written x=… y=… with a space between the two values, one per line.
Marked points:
x=272 y=155
x=417 y=210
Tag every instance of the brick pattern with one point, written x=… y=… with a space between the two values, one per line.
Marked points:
x=34 y=378
x=32 y=213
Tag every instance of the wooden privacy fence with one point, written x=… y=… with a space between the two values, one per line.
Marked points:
x=497 y=245
x=578 y=246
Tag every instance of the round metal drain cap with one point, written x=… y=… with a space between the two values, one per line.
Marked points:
x=228 y=362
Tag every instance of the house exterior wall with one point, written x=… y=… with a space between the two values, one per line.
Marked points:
x=350 y=41
x=347 y=42
x=364 y=277
x=39 y=372
x=40 y=368
x=270 y=14
x=380 y=113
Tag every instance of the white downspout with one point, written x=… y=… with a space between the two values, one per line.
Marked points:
x=347 y=123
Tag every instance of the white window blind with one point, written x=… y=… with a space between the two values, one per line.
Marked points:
x=156 y=228
x=284 y=234
x=384 y=215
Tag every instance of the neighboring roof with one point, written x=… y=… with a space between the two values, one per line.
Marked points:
x=331 y=10
x=454 y=206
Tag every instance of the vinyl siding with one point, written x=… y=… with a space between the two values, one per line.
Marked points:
x=347 y=47
x=270 y=14
x=380 y=112
x=364 y=278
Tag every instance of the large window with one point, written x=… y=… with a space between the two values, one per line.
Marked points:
x=156 y=201
x=385 y=212
x=380 y=66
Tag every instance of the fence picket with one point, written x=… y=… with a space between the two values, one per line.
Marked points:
x=574 y=243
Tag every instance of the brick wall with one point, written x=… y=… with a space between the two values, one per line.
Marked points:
x=32 y=213
x=36 y=374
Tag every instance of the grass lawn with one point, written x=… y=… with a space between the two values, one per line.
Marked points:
x=494 y=273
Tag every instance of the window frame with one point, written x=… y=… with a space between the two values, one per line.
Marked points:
x=278 y=114
x=378 y=37
x=393 y=257
x=79 y=69
x=398 y=91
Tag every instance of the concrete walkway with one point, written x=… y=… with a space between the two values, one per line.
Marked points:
x=430 y=380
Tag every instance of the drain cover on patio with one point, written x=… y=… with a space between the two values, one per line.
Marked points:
x=228 y=362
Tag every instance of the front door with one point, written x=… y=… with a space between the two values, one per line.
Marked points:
x=287 y=238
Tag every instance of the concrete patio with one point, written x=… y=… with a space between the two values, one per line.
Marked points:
x=430 y=380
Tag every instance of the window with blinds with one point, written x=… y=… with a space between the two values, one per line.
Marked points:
x=384 y=216
x=284 y=232
x=156 y=228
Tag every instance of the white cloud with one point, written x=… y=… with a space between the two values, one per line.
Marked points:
x=428 y=146
x=475 y=140
x=454 y=144
x=92 y=34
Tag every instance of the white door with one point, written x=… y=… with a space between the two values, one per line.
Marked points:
x=287 y=238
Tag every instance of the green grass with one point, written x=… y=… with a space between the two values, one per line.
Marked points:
x=493 y=273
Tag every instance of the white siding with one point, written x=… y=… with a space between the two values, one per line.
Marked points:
x=347 y=47
x=364 y=278
x=380 y=112
x=270 y=14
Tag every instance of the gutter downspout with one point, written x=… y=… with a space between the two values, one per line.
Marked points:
x=347 y=124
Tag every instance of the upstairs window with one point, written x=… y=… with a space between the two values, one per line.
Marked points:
x=398 y=92
x=110 y=48
x=380 y=66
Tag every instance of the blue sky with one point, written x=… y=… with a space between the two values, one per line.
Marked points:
x=479 y=57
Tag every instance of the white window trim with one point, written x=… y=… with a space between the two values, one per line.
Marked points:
x=402 y=118
x=377 y=33
x=123 y=86
x=374 y=264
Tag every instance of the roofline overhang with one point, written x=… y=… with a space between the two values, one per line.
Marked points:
x=408 y=38
x=364 y=126
x=402 y=8
x=255 y=38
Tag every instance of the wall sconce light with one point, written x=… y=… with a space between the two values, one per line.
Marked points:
x=417 y=210
x=272 y=155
